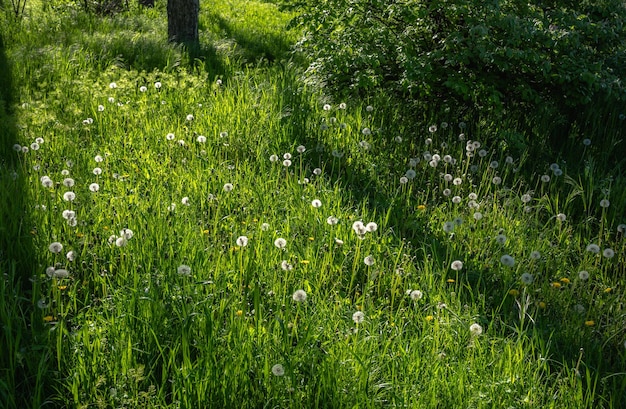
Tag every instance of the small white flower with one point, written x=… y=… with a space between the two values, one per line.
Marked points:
x=369 y=108
x=97 y=171
x=185 y=201
x=55 y=247
x=299 y=296
x=170 y=136
x=68 y=182
x=526 y=198
x=274 y=158
x=496 y=180
x=278 y=370
x=61 y=273
x=457 y=181
x=332 y=220
x=46 y=181
x=359 y=228
x=143 y=88
x=112 y=85
x=608 y=253
x=286 y=266
x=326 y=107
x=242 y=241
x=432 y=128
x=184 y=270
x=456 y=265
x=446 y=192
x=280 y=243
x=69 y=196
x=475 y=329
x=456 y=199
x=478 y=216
x=545 y=178
x=358 y=317
x=404 y=180
x=68 y=214
x=507 y=260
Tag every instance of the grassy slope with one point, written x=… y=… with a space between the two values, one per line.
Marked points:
x=126 y=330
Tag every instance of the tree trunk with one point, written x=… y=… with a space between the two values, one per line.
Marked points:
x=182 y=21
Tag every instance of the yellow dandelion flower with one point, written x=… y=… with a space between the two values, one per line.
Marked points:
x=106 y=227
x=48 y=318
x=542 y=305
x=304 y=261
x=62 y=287
x=608 y=290
x=590 y=323
x=514 y=292
x=564 y=280
x=429 y=318
x=450 y=280
x=556 y=284
x=239 y=313
x=206 y=231
x=421 y=207
x=311 y=238
x=255 y=220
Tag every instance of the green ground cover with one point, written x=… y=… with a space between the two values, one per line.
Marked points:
x=209 y=231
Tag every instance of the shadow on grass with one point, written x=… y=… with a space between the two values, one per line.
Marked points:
x=24 y=360
x=592 y=356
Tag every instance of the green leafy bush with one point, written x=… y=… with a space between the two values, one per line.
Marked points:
x=493 y=54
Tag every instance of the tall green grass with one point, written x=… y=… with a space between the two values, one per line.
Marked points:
x=194 y=153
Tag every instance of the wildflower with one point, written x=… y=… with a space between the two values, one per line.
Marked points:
x=242 y=241
x=475 y=329
x=170 y=136
x=621 y=228
x=68 y=214
x=71 y=255
x=286 y=163
x=273 y=158
x=556 y=285
x=482 y=153
x=507 y=260
x=513 y=292
x=369 y=261
x=433 y=163
x=301 y=149
x=456 y=265
x=143 y=88
x=332 y=220
x=228 y=187
x=590 y=323
x=112 y=85
x=185 y=201
x=201 y=139
x=286 y=266
x=338 y=242
x=127 y=233
x=69 y=196
x=586 y=141
x=526 y=198
x=316 y=203
x=342 y=105
x=404 y=180
x=545 y=178
x=278 y=370
x=496 y=180
x=358 y=317
x=583 y=275
x=371 y=227
x=359 y=228
x=527 y=278
x=55 y=247
x=579 y=308
x=337 y=154
x=364 y=144
x=432 y=128
x=421 y=207
x=326 y=107
x=184 y=270
x=456 y=199
x=60 y=273
x=369 y=108
x=97 y=171
x=398 y=139
x=34 y=146
x=535 y=255
x=565 y=280
x=224 y=134
x=413 y=162
x=429 y=318
x=410 y=174
x=265 y=226
x=593 y=248
x=280 y=243
x=121 y=242
x=608 y=290
x=299 y=296
x=494 y=164
x=478 y=216
x=500 y=239
x=416 y=295
x=448 y=227
x=189 y=117
x=558 y=172
x=608 y=253
x=46 y=181
x=446 y=192
x=561 y=217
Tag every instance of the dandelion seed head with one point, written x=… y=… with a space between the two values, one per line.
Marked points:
x=448 y=227
x=299 y=296
x=410 y=174
x=228 y=187
x=358 y=317
x=545 y=178
x=280 y=243
x=527 y=278
x=71 y=255
x=583 y=275
x=301 y=149
x=170 y=136
x=478 y=216
x=121 y=241
x=316 y=203
x=242 y=241
x=332 y=220
x=278 y=370
x=561 y=217
x=94 y=187
x=55 y=247
x=593 y=248
x=69 y=196
x=201 y=139
x=265 y=226
x=507 y=260
x=475 y=329
x=501 y=239
x=535 y=255
x=286 y=163
x=371 y=227
x=457 y=265
x=183 y=270
x=369 y=261
x=404 y=180
x=604 y=203
x=608 y=253
x=586 y=141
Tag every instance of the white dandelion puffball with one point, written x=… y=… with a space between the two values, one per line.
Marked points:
x=71 y=255
x=184 y=270
x=448 y=227
x=371 y=227
x=265 y=226
x=69 y=196
x=535 y=255
x=299 y=296
x=170 y=136
x=478 y=216
x=475 y=329
x=583 y=275
x=201 y=139
x=561 y=217
x=286 y=163
x=457 y=265
x=228 y=187
x=286 y=266
x=332 y=220
x=301 y=149
x=369 y=261
x=527 y=278
x=507 y=260
x=358 y=317
x=94 y=187
x=61 y=273
x=416 y=295
x=604 y=203
x=189 y=117
x=121 y=241
x=68 y=182
x=274 y=158
x=242 y=241
x=316 y=203
x=55 y=247
x=278 y=370
x=185 y=201
x=593 y=248
x=143 y=88
x=280 y=243
x=500 y=239
x=127 y=233
x=608 y=253
x=359 y=228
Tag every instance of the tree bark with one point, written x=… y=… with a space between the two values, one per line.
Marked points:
x=182 y=21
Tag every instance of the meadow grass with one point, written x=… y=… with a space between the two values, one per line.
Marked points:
x=207 y=231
